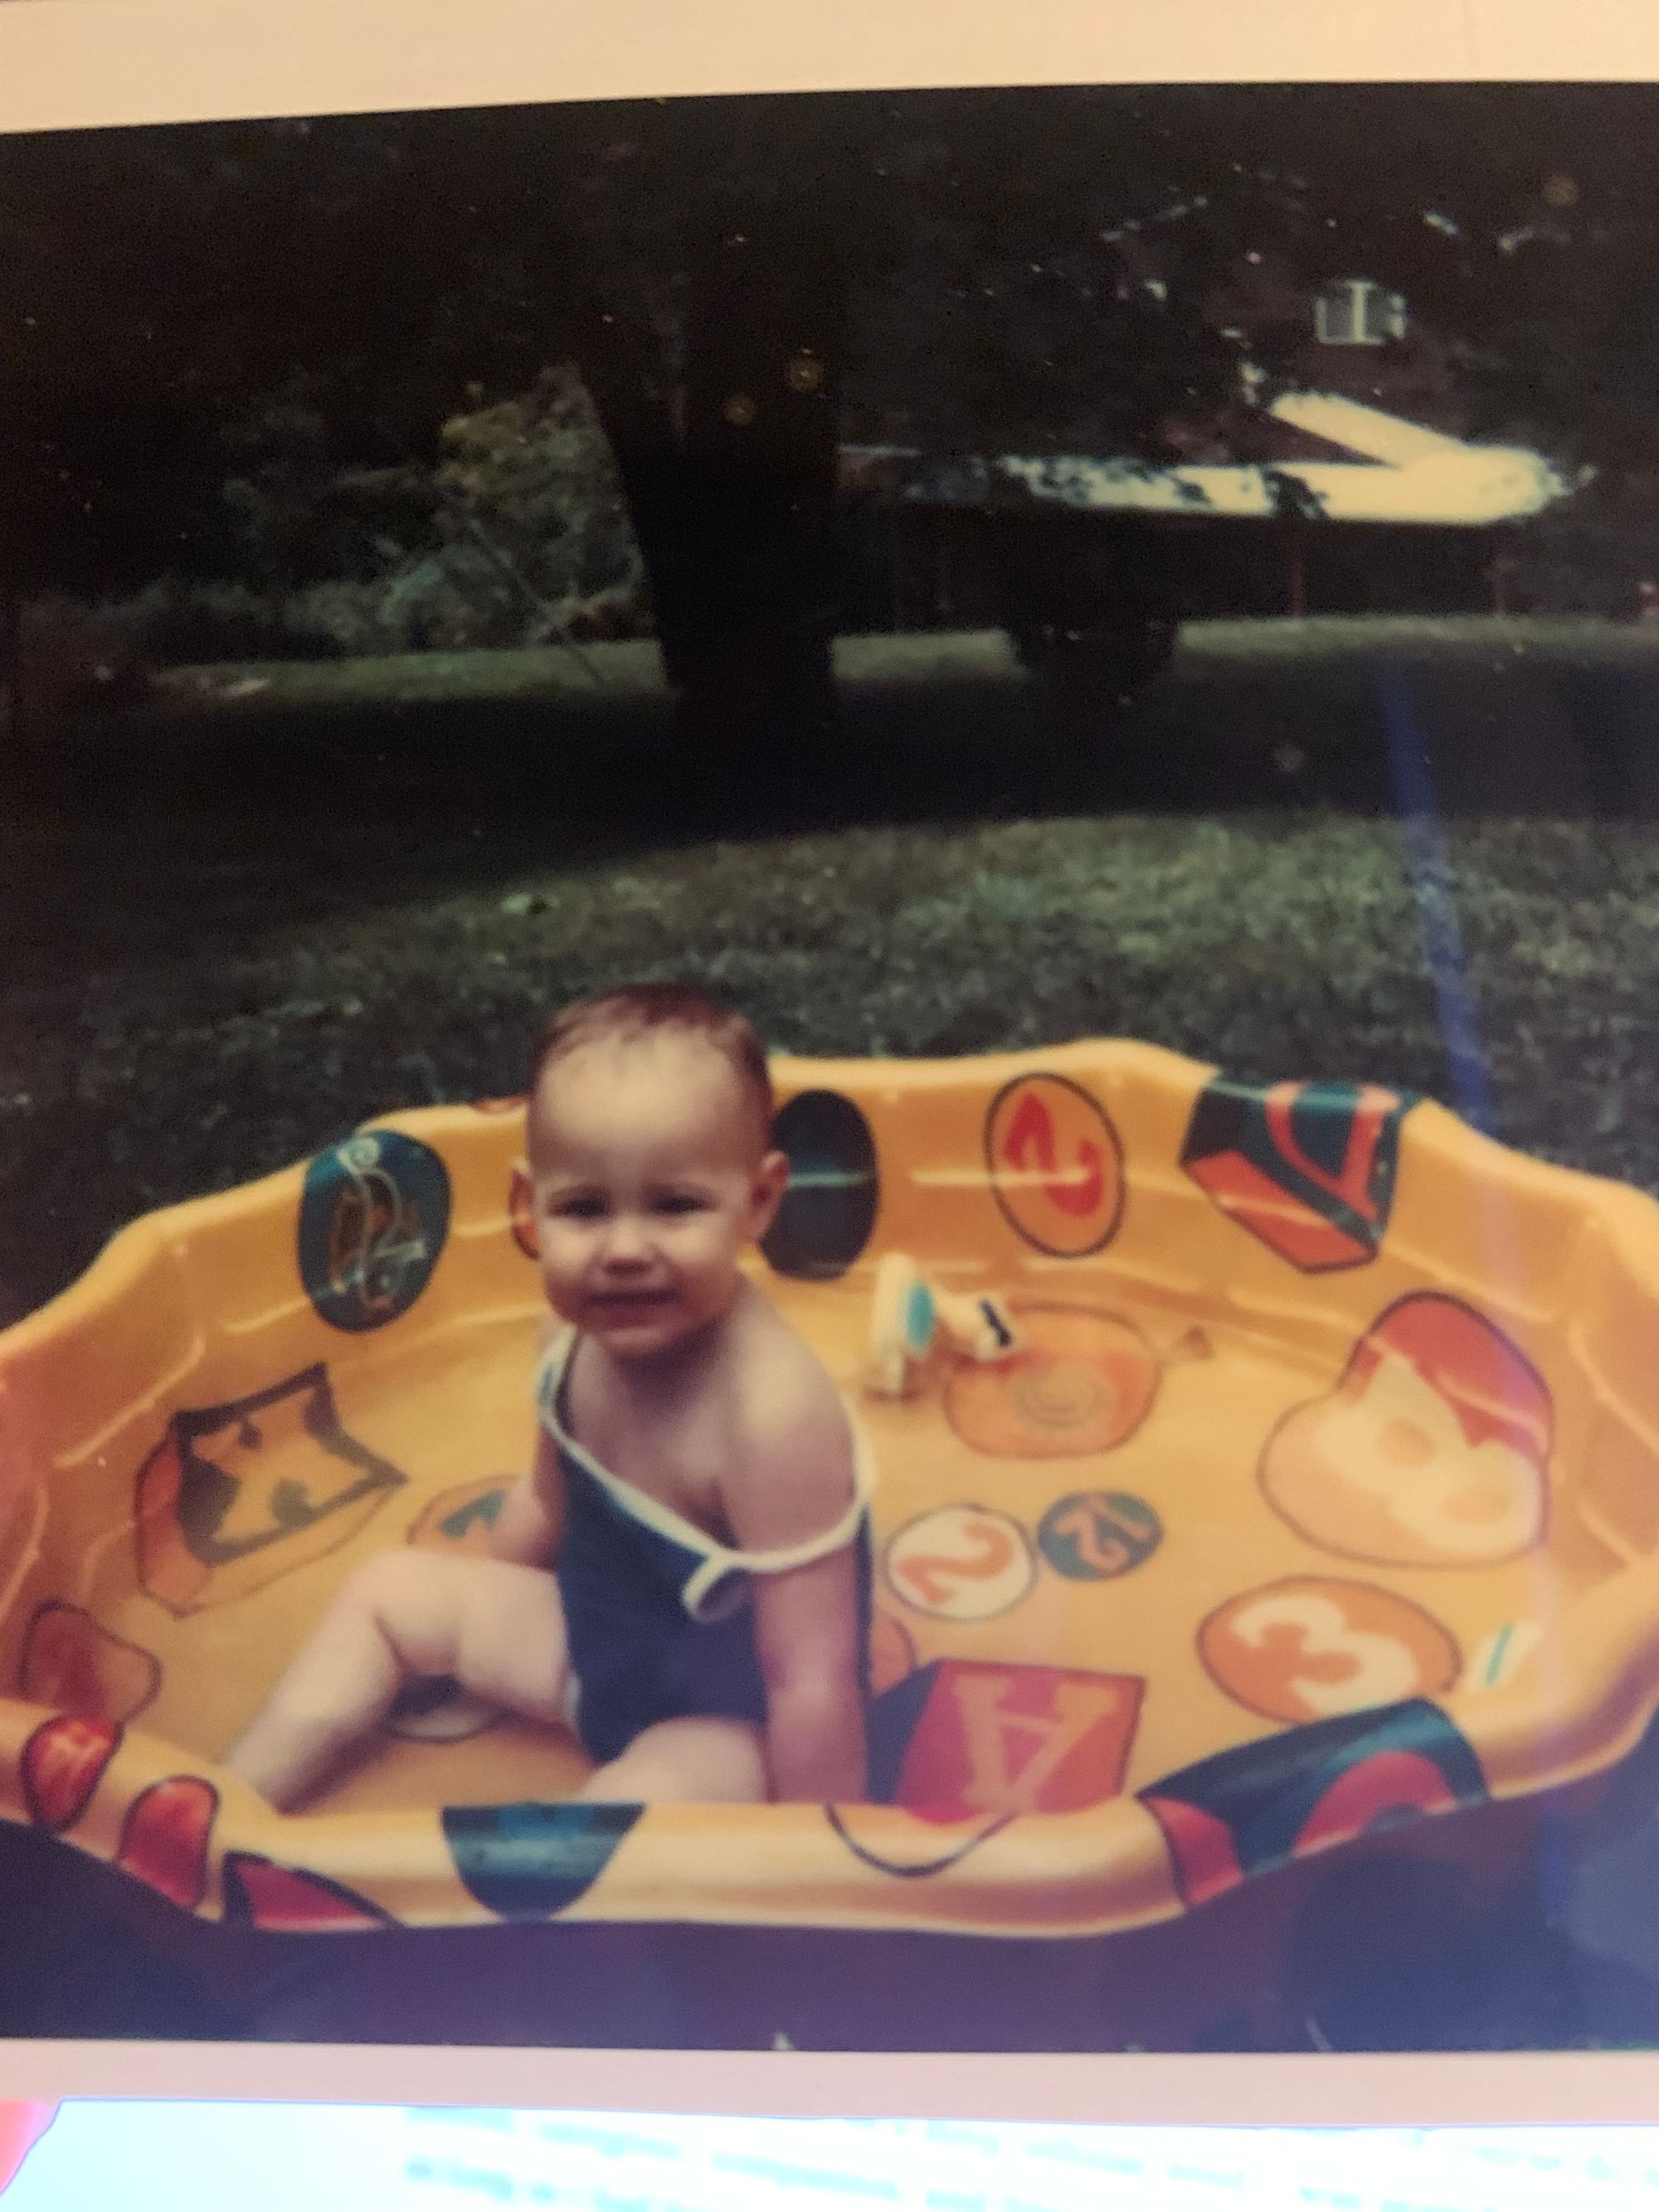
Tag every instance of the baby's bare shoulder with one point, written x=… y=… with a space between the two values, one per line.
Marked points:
x=791 y=1472
x=781 y=1386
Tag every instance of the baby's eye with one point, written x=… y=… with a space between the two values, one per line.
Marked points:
x=680 y=1202
x=578 y=1209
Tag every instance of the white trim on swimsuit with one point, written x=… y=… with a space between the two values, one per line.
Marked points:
x=719 y=1559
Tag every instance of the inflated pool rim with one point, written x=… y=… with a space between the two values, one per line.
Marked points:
x=1100 y=1869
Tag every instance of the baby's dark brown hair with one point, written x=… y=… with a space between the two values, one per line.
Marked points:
x=643 y=1010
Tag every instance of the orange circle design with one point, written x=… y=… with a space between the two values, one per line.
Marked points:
x=1312 y=1646
x=961 y=1563
x=1081 y=1381
x=1056 y=1165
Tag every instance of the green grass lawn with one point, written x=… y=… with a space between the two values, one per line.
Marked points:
x=241 y=1019
x=202 y=983
x=574 y=674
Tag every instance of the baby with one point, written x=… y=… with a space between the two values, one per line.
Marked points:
x=683 y=1578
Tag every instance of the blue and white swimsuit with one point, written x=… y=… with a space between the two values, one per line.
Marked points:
x=658 y=1613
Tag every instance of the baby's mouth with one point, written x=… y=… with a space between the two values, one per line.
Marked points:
x=630 y=1302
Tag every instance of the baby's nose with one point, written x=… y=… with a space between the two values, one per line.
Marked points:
x=626 y=1239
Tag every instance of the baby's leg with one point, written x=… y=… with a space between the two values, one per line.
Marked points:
x=695 y=1761
x=498 y=1630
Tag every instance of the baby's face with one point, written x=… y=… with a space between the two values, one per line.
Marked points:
x=649 y=1181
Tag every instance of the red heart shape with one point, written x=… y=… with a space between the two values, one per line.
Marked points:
x=62 y=1764
x=165 y=1840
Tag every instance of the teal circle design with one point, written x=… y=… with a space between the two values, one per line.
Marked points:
x=1095 y=1535
x=373 y=1220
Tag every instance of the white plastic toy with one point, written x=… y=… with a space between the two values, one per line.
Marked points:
x=912 y=1319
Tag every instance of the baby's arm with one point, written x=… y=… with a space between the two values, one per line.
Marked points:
x=794 y=1481
x=526 y=1529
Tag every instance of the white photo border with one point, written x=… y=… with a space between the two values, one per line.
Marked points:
x=68 y=63
x=75 y=63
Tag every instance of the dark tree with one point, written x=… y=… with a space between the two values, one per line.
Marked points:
x=745 y=281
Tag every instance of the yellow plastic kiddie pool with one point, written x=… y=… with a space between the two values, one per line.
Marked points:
x=1318 y=1488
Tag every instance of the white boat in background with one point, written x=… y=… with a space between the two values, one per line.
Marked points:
x=1401 y=473
x=1313 y=503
